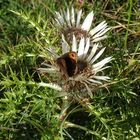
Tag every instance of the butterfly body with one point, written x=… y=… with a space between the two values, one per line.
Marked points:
x=67 y=64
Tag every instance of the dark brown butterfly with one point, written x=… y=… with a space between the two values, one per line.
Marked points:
x=67 y=64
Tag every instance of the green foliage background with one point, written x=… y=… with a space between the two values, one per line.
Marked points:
x=30 y=111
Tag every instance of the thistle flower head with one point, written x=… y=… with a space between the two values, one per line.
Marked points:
x=78 y=68
x=69 y=22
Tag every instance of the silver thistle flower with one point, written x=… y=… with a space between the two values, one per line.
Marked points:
x=70 y=23
x=88 y=71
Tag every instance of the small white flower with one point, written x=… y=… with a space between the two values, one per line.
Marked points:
x=70 y=23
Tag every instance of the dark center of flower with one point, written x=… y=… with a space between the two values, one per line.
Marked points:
x=83 y=67
x=78 y=32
